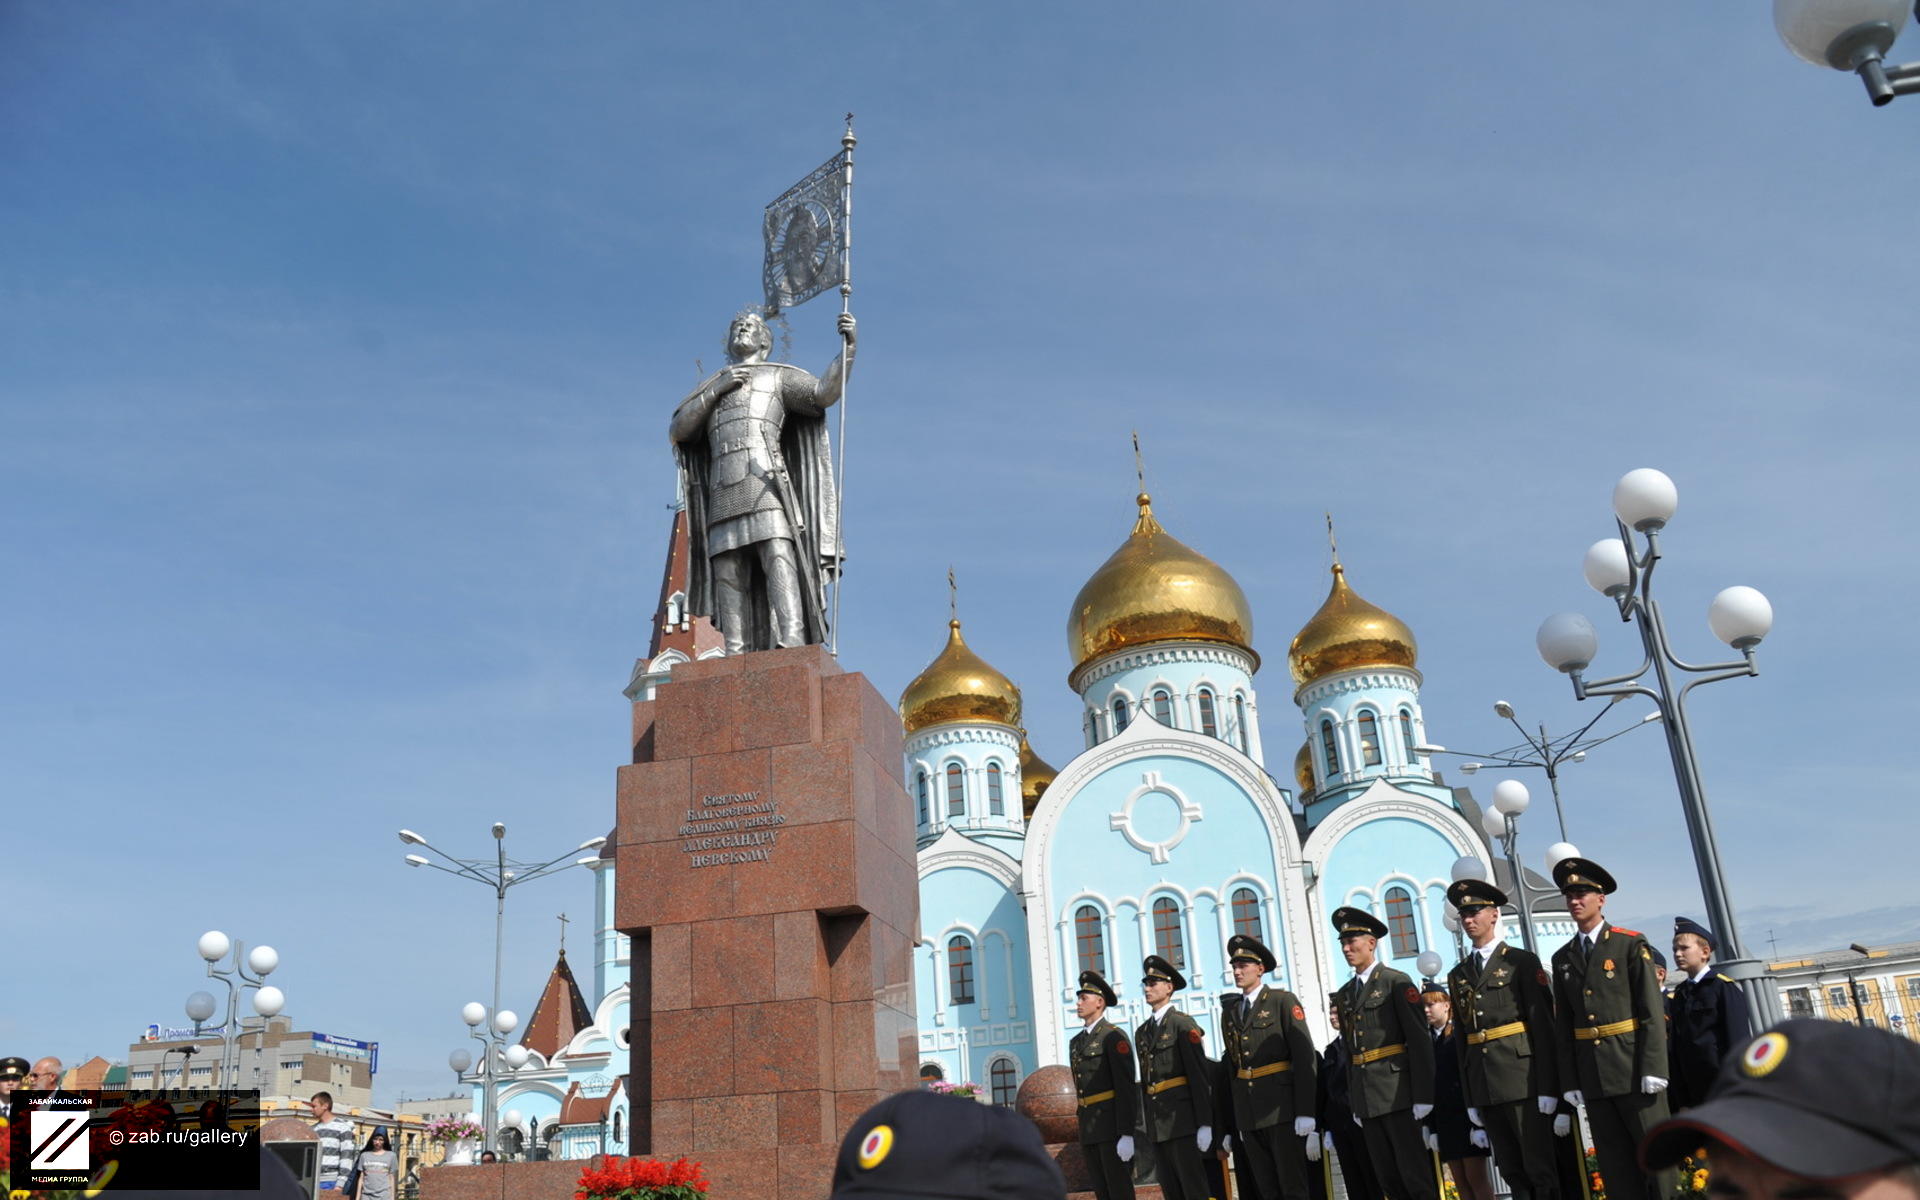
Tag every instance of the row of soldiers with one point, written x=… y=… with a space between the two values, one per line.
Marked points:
x=1532 y=1046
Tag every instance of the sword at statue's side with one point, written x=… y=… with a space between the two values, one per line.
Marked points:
x=847 y=142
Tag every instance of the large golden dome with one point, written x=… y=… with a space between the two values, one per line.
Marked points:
x=1156 y=589
x=1035 y=775
x=1303 y=768
x=1347 y=634
x=959 y=686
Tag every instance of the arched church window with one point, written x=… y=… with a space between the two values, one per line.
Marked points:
x=1400 y=923
x=1005 y=1078
x=1406 y=734
x=1329 y=748
x=996 y=795
x=960 y=969
x=1163 y=706
x=932 y=1071
x=923 y=788
x=1246 y=913
x=1209 y=719
x=1088 y=939
x=1168 y=941
x=956 y=791
x=1369 y=740
x=1241 y=738
x=1119 y=713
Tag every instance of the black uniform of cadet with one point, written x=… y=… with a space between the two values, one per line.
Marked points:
x=1706 y=1019
x=1504 y=1038
x=1179 y=1100
x=1272 y=1066
x=1449 y=1123
x=1390 y=1076
x=1102 y=1062
x=1613 y=1038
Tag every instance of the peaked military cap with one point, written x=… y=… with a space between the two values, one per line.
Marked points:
x=1659 y=959
x=13 y=1068
x=1688 y=925
x=1818 y=1099
x=1433 y=987
x=923 y=1144
x=1350 y=920
x=1159 y=968
x=1583 y=873
x=1241 y=948
x=1092 y=983
x=1468 y=894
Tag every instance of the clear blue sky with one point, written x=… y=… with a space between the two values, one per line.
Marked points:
x=341 y=339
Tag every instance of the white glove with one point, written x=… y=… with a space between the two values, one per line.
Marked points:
x=1326 y=1139
x=1124 y=1147
x=1563 y=1125
x=1204 y=1138
x=1653 y=1085
x=1433 y=1143
x=1226 y=1143
x=1356 y=1122
x=1473 y=1114
x=1576 y=1099
x=1313 y=1148
x=1303 y=1126
x=1547 y=1105
x=1421 y=1111
x=1479 y=1138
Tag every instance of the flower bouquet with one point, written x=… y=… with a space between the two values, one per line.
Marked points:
x=452 y=1129
x=966 y=1091
x=643 y=1179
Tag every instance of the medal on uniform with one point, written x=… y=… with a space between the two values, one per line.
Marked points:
x=1607 y=966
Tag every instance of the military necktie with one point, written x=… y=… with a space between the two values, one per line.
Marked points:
x=1477 y=965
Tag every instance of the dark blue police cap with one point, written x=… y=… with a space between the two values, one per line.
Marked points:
x=927 y=1146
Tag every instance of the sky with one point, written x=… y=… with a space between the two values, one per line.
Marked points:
x=340 y=341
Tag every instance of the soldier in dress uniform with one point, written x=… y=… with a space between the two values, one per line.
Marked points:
x=1103 y=1079
x=1612 y=1031
x=1706 y=1016
x=1504 y=1036
x=1272 y=1067
x=1173 y=1071
x=1390 y=1072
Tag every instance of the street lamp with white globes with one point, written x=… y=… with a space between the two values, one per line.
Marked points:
x=496 y=1057
x=248 y=971
x=1643 y=502
x=1850 y=35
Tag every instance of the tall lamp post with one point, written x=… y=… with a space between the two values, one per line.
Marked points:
x=1850 y=35
x=1622 y=570
x=497 y=1057
x=247 y=971
x=498 y=873
x=1542 y=752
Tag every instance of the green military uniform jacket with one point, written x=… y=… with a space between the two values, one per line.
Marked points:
x=1169 y=1050
x=1614 y=994
x=1271 y=1059
x=1102 y=1064
x=1512 y=1063
x=1391 y=1064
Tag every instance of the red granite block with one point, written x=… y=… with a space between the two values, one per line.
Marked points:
x=806 y=1117
x=744 y=1174
x=806 y=1172
x=848 y=1104
x=672 y=948
x=778 y=706
x=894 y=1034
x=884 y=883
x=642 y=739
x=729 y=959
x=692 y=1053
x=659 y=886
x=894 y=816
x=811 y=868
x=852 y=710
x=698 y=716
x=852 y=970
x=651 y=800
x=785 y=1044
x=706 y=668
x=816 y=783
x=735 y=1123
x=854 y=1063
x=672 y=1128
x=892 y=963
x=799 y=964
x=732 y=773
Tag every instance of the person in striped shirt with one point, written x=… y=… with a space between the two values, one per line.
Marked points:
x=336 y=1143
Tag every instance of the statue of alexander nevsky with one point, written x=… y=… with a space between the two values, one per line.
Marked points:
x=756 y=470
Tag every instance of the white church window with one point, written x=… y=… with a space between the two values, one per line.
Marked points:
x=1240 y=723
x=1329 y=748
x=1209 y=719
x=1089 y=940
x=956 y=791
x=1369 y=739
x=1400 y=923
x=1163 y=706
x=1005 y=1077
x=1246 y=913
x=1406 y=734
x=1168 y=940
x=960 y=969
x=996 y=793
x=1119 y=713
x=924 y=789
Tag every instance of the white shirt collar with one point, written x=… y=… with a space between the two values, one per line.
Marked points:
x=1253 y=993
x=1486 y=952
x=1368 y=973
x=1704 y=972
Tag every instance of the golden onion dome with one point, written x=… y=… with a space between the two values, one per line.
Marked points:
x=1035 y=775
x=1347 y=634
x=1156 y=589
x=1303 y=768
x=959 y=686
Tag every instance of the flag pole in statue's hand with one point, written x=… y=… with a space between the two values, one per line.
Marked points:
x=847 y=142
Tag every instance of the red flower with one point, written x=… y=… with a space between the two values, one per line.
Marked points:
x=643 y=1179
